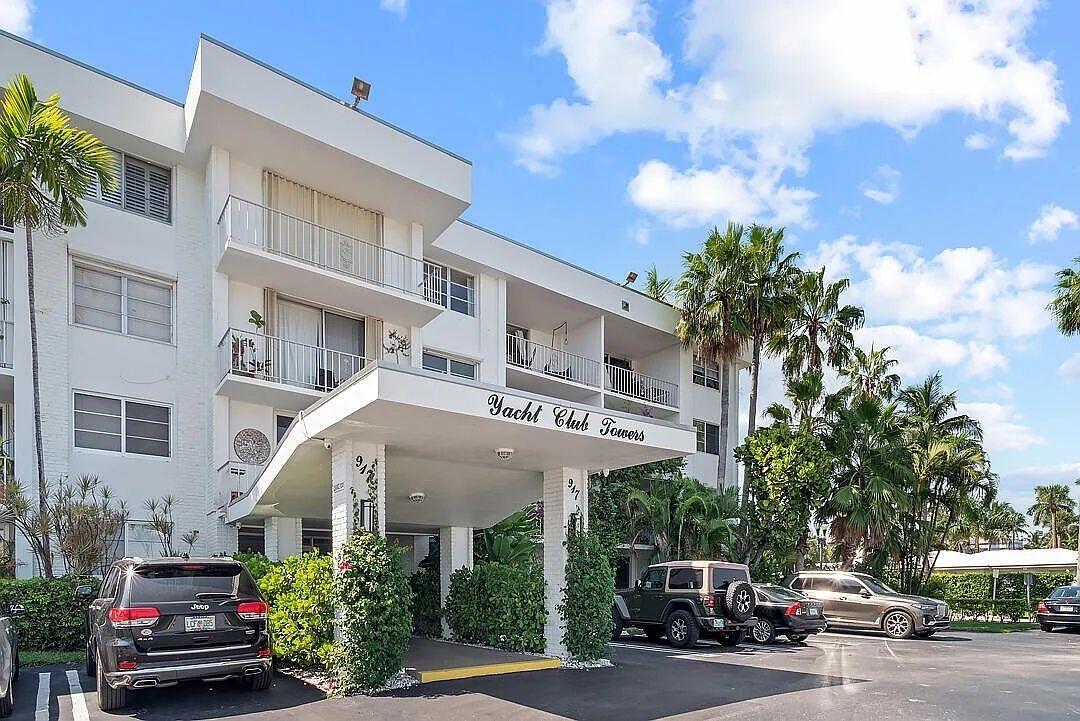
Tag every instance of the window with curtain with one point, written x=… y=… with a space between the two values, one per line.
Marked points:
x=300 y=330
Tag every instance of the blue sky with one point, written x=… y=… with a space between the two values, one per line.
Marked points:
x=922 y=149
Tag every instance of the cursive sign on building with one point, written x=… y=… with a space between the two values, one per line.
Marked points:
x=563 y=418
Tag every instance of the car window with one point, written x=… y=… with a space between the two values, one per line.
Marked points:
x=686 y=579
x=185 y=582
x=653 y=580
x=799 y=582
x=108 y=586
x=1066 y=592
x=819 y=583
x=721 y=577
x=875 y=585
x=847 y=585
x=779 y=593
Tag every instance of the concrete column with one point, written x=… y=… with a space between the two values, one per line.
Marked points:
x=350 y=463
x=455 y=551
x=566 y=492
x=281 y=537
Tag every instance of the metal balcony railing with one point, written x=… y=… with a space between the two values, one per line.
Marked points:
x=640 y=386
x=7 y=310
x=273 y=231
x=278 y=360
x=524 y=353
x=235 y=479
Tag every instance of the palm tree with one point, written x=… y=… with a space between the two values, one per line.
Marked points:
x=1052 y=505
x=681 y=517
x=707 y=293
x=656 y=287
x=819 y=329
x=766 y=299
x=47 y=167
x=870 y=373
x=811 y=408
x=1065 y=307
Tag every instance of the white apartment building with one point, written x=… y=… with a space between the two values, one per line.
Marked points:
x=281 y=296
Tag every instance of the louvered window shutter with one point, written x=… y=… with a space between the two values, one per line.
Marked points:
x=159 y=193
x=116 y=195
x=147 y=189
x=135 y=183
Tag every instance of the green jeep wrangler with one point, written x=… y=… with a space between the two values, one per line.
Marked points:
x=685 y=599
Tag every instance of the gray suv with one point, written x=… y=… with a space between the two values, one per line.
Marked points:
x=858 y=600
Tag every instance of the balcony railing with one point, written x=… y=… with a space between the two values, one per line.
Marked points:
x=640 y=386
x=7 y=310
x=273 y=231
x=278 y=360
x=523 y=353
x=234 y=480
x=7 y=338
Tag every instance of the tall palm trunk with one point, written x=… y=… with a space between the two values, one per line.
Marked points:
x=755 y=370
x=35 y=373
x=725 y=421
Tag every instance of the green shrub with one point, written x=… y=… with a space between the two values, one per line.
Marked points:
x=374 y=613
x=54 y=620
x=587 y=596
x=300 y=591
x=257 y=564
x=498 y=605
x=426 y=614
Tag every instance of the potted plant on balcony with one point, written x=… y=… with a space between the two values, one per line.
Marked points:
x=245 y=359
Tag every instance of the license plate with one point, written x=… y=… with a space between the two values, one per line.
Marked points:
x=200 y=623
x=718 y=623
x=1067 y=609
x=812 y=611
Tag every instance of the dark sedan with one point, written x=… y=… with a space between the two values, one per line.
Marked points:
x=1060 y=609
x=784 y=612
x=9 y=659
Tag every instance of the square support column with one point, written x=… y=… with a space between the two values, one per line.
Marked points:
x=455 y=551
x=281 y=537
x=350 y=463
x=566 y=493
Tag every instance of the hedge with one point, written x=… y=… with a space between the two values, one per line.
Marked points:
x=586 y=599
x=498 y=605
x=54 y=620
x=300 y=592
x=969 y=594
x=426 y=614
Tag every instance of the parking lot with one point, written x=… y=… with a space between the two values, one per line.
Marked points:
x=835 y=676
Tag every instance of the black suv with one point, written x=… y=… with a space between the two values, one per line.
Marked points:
x=156 y=622
x=685 y=599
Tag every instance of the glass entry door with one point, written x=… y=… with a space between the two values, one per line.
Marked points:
x=344 y=354
x=318 y=349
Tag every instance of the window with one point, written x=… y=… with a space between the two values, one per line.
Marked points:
x=708 y=437
x=706 y=373
x=450 y=366
x=108 y=587
x=141 y=187
x=122 y=303
x=281 y=425
x=847 y=585
x=122 y=426
x=721 y=577
x=653 y=580
x=685 y=579
x=450 y=288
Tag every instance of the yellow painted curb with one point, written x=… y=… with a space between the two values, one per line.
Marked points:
x=490 y=669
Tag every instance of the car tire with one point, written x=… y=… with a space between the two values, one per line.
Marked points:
x=262 y=681
x=682 y=629
x=1046 y=627
x=7 y=701
x=654 y=633
x=616 y=625
x=798 y=637
x=763 y=631
x=898 y=624
x=730 y=640
x=109 y=698
x=740 y=600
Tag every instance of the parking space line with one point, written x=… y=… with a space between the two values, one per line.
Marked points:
x=78 y=701
x=41 y=711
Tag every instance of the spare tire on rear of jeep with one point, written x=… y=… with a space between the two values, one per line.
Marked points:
x=740 y=600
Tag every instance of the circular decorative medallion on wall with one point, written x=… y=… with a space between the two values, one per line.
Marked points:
x=252 y=446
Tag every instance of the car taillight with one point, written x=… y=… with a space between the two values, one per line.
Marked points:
x=126 y=665
x=251 y=610
x=129 y=617
x=793 y=609
x=264 y=653
x=1042 y=608
x=709 y=601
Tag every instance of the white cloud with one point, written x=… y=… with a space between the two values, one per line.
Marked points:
x=983 y=360
x=1002 y=427
x=1017 y=486
x=1051 y=221
x=1070 y=369
x=759 y=81
x=978 y=141
x=398 y=7
x=15 y=16
x=641 y=232
x=917 y=354
x=884 y=186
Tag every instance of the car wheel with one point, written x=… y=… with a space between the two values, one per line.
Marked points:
x=7 y=701
x=1046 y=627
x=682 y=629
x=763 y=631
x=616 y=625
x=898 y=624
x=654 y=633
x=732 y=639
x=798 y=637
x=109 y=698
x=262 y=681
x=740 y=601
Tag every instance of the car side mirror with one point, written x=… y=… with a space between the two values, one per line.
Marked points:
x=16 y=609
x=84 y=592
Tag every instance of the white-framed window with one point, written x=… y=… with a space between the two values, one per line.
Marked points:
x=450 y=366
x=708 y=437
x=141 y=187
x=450 y=288
x=120 y=425
x=121 y=302
x=706 y=373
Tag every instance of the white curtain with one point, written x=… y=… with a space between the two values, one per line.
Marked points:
x=300 y=324
x=345 y=346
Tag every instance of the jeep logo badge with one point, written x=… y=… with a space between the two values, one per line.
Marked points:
x=200 y=607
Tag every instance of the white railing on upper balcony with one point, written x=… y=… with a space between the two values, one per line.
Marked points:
x=523 y=353
x=7 y=311
x=276 y=232
x=640 y=386
x=279 y=360
x=235 y=479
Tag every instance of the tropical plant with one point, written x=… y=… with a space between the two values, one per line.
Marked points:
x=682 y=518
x=47 y=167
x=810 y=408
x=1065 y=305
x=1053 y=505
x=658 y=287
x=708 y=293
x=819 y=328
x=300 y=591
x=511 y=540
x=160 y=520
x=86 y=522
x=498 y=605
x=870 y=373
x=585 y=606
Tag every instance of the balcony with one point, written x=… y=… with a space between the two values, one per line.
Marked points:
x=648 y=392
x=550 y=371
x=265 y=369
x=234 y=480
x=7 y=310
x=268 y=248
